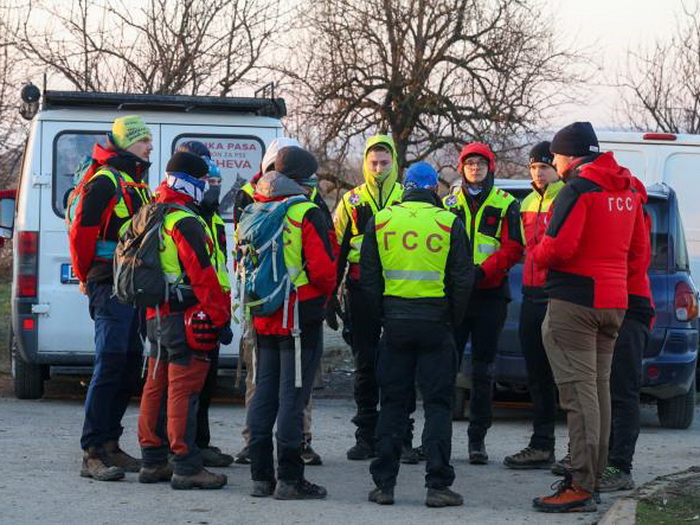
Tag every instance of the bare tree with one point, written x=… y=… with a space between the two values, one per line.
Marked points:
x=164 y=47
x=434 y=73
x=662 y=84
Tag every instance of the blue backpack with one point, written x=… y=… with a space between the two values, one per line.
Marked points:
x=262 y=276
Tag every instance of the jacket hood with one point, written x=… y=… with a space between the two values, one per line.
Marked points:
x=370 y=178
x=607 y=173
x=638 y=186
x=422 y=195
x=275 y=185
x=120 y=159
x=273 y=148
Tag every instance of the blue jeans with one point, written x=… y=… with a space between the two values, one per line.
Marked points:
x=115 y=375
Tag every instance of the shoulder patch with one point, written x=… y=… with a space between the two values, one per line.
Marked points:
x=451 y=200
x=354 y=199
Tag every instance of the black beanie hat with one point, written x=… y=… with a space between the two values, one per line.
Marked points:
x=575 y=140
x=540 y=153
x=189 y=163
x=296 y=163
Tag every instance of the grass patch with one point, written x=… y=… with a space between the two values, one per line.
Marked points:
x=5 y=289
x=685 y=509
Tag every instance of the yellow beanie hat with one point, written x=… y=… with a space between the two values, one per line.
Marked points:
x=128 y=130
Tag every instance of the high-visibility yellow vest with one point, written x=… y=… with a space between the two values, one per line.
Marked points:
x=414 y=241
x=291 y=236
x=484 y=227
x=169 y=260
x=217 y=223
x=356 y=202
x=248 y=188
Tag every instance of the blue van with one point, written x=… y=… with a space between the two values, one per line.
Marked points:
x=670 y=360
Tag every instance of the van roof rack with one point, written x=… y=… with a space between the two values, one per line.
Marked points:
x=268 y=107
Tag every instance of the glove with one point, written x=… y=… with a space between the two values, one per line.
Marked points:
x=226 y=334
x=331 y=313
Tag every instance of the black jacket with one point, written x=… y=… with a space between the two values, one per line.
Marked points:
x=458 y=276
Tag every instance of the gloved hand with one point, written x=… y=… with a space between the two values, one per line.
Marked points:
x=331 y=312
x=226 y=334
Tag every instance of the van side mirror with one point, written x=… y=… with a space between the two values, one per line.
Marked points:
x=7 y=213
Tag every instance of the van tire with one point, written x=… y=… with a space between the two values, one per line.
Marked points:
x=28 y=377
x=677 y=412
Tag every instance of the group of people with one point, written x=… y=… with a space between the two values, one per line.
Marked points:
x=413 y=277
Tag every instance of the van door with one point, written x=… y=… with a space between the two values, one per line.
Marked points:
x=238 y=151
x=64 y=324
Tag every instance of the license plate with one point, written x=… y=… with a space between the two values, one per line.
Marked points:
x=67 y=275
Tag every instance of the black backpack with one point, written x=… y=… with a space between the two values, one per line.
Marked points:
x=138 y=274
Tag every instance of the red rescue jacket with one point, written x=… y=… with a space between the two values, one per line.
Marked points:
x=597 y=226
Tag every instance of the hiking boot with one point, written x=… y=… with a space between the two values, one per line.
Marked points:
x=477 y=453
x=202 y=480
x=443 y=498
x=162 y=472
x=563 y=466
x=243 y=457
x=302 y=489
x=530 y=458
x=381 y=496
x=97 y=466
x=118 y=458
x=614 y=479
x=213 y=457
x=568 y=497
x=263 y=489
x=409 y=456
x=309 y=455
x=360 y=451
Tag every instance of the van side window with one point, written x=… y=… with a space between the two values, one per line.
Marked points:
x=238 y=158
x=680 y=248
x=658 y=212
x=69 y=150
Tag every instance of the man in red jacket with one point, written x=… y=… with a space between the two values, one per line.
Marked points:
x=534 y=211
x=198 y=308
x=107 y=202
x=308 y=238
x=596 y=226
x=492 y=220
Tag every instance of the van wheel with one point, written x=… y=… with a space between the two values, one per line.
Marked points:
x=28 y=377
x=678 y=411
x=458 y=411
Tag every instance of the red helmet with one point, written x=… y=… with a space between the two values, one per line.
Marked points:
x=200 y=332
x=477 y=148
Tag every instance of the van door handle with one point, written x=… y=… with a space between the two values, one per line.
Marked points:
x=41 y=309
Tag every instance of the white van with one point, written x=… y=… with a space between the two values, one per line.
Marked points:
x=50 y=322
x=670 y=158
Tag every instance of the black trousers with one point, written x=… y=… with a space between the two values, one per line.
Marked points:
x=483 y=323
x=424 y=351
x=366 y=331
x=277 y=400
x=625 y=384
x=203 y=437
x=543 y=389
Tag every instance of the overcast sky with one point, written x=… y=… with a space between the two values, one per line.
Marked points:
x=607 y=29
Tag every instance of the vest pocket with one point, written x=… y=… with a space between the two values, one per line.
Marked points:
x=490 y=221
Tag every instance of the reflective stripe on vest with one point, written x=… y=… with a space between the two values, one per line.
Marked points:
x=414 y=242
x=483 y=244
x=361 y=196
x=291 y=236
x=221 y=271
x=169 y=260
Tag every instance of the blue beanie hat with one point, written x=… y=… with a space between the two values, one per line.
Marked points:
x=420 y=175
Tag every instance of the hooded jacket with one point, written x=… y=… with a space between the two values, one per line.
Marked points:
x=94 y=217
x=318 y=254
x=195 y=250
x=361 y=203
x=641 y=304
x=458 y=275
x=597 y=227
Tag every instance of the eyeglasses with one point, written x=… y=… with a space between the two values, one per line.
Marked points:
x=476 y=163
